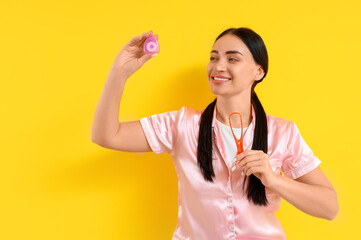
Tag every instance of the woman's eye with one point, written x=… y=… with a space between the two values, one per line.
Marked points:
x=232 y=59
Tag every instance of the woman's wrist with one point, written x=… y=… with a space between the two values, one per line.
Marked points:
x=118 y=73
x=276 y=181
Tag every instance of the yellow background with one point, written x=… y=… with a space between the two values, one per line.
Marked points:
x=55 y=57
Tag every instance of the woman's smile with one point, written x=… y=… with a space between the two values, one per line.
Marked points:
x=220 y=80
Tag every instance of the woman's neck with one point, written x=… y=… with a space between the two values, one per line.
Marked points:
x=226 y=106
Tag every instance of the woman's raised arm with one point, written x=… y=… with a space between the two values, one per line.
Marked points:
x=106 y=130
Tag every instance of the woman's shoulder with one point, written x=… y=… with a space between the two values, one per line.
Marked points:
x=278 y=123
x=181 y=114
x=192 y=112
x=277 y=119
x=190 y=116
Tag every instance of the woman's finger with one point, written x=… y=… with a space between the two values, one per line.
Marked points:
x=248 y=158
x=251 y=165
x=140 y=39
x=254 y=170
x=246 y=153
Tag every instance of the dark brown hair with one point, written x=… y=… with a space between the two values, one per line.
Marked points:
x=255 y=189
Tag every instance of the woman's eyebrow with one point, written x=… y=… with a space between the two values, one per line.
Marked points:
x=228 y=52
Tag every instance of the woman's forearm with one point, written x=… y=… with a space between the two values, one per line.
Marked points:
x=106 y=119
x=318 y=201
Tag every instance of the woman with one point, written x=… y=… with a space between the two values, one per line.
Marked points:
x=222 y=194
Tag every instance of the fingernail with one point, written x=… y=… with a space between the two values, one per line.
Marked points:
x=234 y=167
x=234 y=159
x=154 y=55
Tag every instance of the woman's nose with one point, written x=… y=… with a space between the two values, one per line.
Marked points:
x=220 y=66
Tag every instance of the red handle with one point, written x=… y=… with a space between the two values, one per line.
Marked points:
x=239 y=142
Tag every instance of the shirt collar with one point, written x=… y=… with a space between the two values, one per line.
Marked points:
x=214 y=121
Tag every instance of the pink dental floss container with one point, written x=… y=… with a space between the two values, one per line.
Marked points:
x=151 y=45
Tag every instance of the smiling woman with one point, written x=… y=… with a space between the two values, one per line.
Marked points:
x=222 y=194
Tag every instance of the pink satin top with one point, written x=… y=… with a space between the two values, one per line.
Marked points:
x=220 y=210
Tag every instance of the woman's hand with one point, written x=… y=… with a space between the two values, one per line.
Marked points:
x=256 y=162
x=132 y=55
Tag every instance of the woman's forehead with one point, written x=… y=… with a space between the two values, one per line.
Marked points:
x=228 y=43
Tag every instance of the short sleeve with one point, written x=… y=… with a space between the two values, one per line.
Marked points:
x=299 y=158
x=161 y=130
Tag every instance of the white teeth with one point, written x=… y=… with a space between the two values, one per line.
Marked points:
x=221 y=79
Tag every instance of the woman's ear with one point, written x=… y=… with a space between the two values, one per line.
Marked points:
x=259 y=73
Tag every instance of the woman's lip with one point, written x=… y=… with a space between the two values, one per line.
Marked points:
x=219 y=81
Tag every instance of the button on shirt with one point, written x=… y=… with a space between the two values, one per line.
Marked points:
x=220 y=210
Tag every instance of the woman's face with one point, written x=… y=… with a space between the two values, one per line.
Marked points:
x=231 y=59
